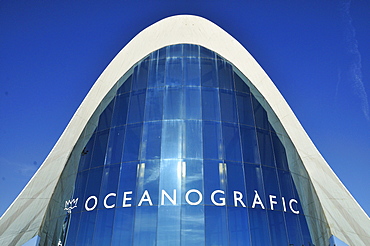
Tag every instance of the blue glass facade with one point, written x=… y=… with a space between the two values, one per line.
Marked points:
x=184 y=154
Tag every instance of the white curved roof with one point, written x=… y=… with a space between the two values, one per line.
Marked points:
x=24 y=217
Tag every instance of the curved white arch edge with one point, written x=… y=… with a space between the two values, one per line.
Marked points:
x=23 y=219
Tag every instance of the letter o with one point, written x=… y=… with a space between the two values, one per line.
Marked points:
x=95 y=203
x=191 y=191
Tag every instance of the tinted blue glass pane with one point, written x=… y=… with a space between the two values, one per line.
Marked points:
x=132 y=142
x=190 y=50
x=191 y=71
x=192 y=103
x=137 y=106
x=103 y=227
x=174 y=72
x=249 y=143
x=141 y=75
x=225 y=76
x=272 y=188
x=240 y=85
x=73 y=228
x=148 y=179
x=286 y=185
x=192 y=225
x=151 y=143
x=127 y=183
x=126 y=86
x=235 y=183
x=123 y=226
x=245 y=111
x=254 y=182
x=120 y=110
x=115 y=145
x=208 y=72
x=279 y=152
x=228 y=106
x=265 y=148
x=278 y=231
x=156 y=72
x=86 y=229
x=106 y=117
x=192 y=178
x=206 y=53
x=174 y=50
x=214 y=179
x=193 y=142
x=238 y=226
x=171 y=172
x=259 y=227
x=216 y=226
x=260 y=115
x=93 y=184
x=231 y=138
x=293 y=229
x=109 y=184
x=212 y=141
x=79 y=192
x=172 y=139
x=86 y=154
x=168 y=233
x=154 y=104
x=145 y=229
x=210 y=104
x=100 y=148
x=305 y=231
x=173 y=103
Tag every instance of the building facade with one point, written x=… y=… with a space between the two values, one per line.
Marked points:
x=185 y=141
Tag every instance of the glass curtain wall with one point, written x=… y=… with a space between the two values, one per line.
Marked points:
x=185 y=155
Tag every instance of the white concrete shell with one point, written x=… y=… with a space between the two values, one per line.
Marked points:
x=345 y=217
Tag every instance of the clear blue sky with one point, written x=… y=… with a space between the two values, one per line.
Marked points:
x=316 y=52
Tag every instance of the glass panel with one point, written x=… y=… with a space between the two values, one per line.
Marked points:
x=115 y=145
x=171 y=173
x=123 y=226
x=173 y=103
x=235 y=182
x=238 y=226
x=278 y=231
x=100 y=147
x=191 y=50
x=120 y=110
x=137 y=106
x=212 y=141
x=259 y=227
x=86 y=229
x=260 y=115
x=272 y=189
x=132 y=142
x=225 y=76
x=192 y=225
x=240 y=84
x=208 y=72
x=145 y=230
x=192 y=103
x=265 y=148
x=106 y=117
x=249 y=143
x=103 y=227
x=231 y=138
x=172 y=139
x=279 y=152
x=148 y=180
x=151 y=142
x=109 y=184
x=93 y=185
x=127 y=183
x=254 y=182
x=293 y=229
x=193 y=143
x=126 y=86
x=156 y=72
x=245 y=111
x=141 y=75
x=228 y=106
x=86 y=154
x=192 y=178
x=191 y=71
x=154 y=104
x=79 y=192
x=174 y=72
x=168 y=231
x=214 y=179
x=210 y=104
x=216 y=226
x=73 y=228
